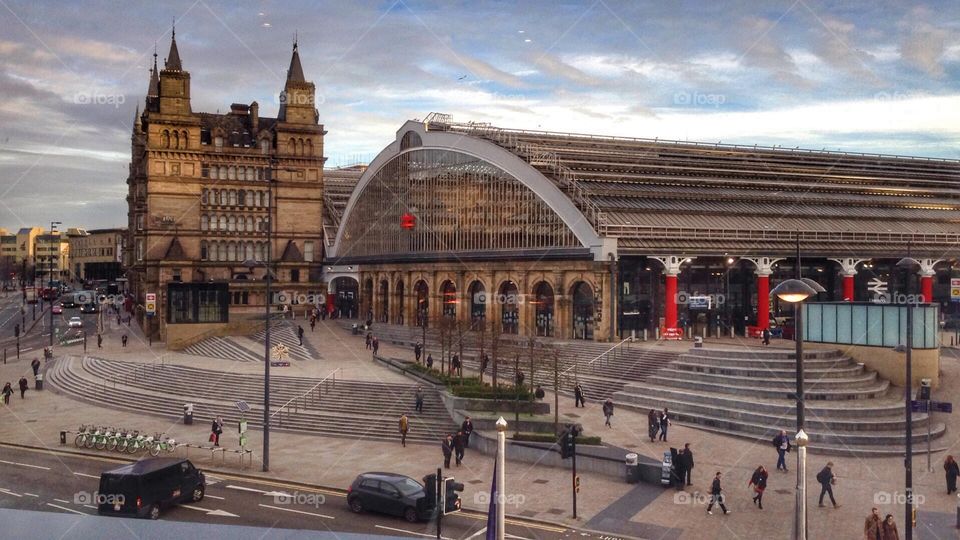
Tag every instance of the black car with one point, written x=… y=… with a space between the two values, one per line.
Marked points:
x=400 y=495
x=143 y=488
x=89 y=307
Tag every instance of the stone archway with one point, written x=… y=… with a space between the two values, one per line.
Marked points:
x=346 y=290
x=543 y=313
x=448 y=299
x=422 y=293
x=478 y=303
x=583 y=310
x=508 y=297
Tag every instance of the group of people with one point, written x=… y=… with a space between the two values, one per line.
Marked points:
x=455 y=445
x=373 y=343
x=875 y=528
x=7 y=390
x=657 y=423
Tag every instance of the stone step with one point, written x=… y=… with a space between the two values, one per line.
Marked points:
x=760 y=363
x=752 y=389
x=762 y=353
x=813 y=373
x=862 y=380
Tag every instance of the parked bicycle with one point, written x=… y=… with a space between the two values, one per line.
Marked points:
x=167 y=445
x=80 y=440
x=139 y=443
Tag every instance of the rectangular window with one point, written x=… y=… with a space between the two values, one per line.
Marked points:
x=308 y=251
x=139 y=222
x=139 y=249
x=295 y=275
x=198 y=303
x=205 y=170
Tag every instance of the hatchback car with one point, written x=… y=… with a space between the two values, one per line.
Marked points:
x=398 y=495
x=75 y=322
x=57 y=309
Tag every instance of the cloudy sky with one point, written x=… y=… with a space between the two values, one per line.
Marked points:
x=872 y=76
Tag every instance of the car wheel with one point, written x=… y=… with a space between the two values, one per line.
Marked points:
x=154 y=511
x=197 y=494
x=355 y=504
x=410 y=514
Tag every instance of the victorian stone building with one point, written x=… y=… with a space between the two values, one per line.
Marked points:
x=204 y=189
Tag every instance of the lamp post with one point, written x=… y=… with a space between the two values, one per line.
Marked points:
x=796 y=291
x=53 y=228
x=908 y=264
x=501 y=489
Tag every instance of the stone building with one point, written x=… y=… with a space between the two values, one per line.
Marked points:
x=96 y=254
x=202 y=187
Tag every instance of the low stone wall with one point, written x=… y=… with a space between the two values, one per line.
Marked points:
x=181 y=336
x=890 y=364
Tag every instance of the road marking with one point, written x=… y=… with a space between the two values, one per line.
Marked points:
x=8 y=492
x=409 y=532
x=68 y=509
x=25 y=465
x=30 y=494
x=296 y=511
x=231 y=486
x=208 y=511
x=87 y=475
x=478 y=533
x=94 y=507
x=508 y=535
x=63 y=501
x=213 y=497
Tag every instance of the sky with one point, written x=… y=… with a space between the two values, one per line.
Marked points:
x=878 y=76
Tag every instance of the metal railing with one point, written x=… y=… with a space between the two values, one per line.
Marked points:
x=311 y=396
x=602 y=360
x=139 y=372
x=649 y=231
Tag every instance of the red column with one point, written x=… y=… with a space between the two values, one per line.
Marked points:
x=926 y=288
x=670 y=303
x=848 y=288
x=763 y=302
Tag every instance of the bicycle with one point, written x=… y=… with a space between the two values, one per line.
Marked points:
x=162 y=445
x=124 y=440
x=101 y=442
x=114 y=439
x=139 y=443
x=81 y=437
x=91 y=440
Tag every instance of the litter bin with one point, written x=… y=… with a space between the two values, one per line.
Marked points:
x=356 y=330
x=632 y=462
x=666 y=469
x=188 y=414
x=38 y=381
x=698 y=342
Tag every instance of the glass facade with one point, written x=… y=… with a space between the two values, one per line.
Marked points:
x=459 y=203
x=197 y=303
x=875 y=325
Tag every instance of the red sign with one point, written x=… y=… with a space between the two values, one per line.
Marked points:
x=408 y=221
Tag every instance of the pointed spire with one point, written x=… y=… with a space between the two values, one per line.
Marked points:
x=295 y=73
x=173 y=58
x=154 y=89
x=136 y=120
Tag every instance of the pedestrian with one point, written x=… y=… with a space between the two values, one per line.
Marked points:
x=952 y=471
x=300 y=334
x=123 y=340
x=484 y=362
x=578 y=400
x=23 y=386
x=429 y=361
x=36 y=366
x=716 y=495
x=766 y=336
x=456 y=366
x=653 y=422
x=539 y=393
x=404 y=427
x=873 y=526
x=6 y=392
x=520 y=378
x=447 y=447
x=216 y=428
x=467 y=428
x=759 y=483
x=99 y=341
x=418 y=399
x=369 y=341
x=417 y=351
x=313 y=323
x=459 y=443
x=827 y=479
x=890 y=531
x=323 y=313
x=782 y=443
x=664 y=423
x=608 y=411
x=376 y=345
x=686 y=457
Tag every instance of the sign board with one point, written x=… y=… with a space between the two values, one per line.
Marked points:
x=242 y=426
x=942 y=406
x=150 y=304
x=699 y=302
x=918 y=406
x=955 y=289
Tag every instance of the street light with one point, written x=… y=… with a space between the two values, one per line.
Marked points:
x=53 y=229
x=795 y=291
x=908 y=264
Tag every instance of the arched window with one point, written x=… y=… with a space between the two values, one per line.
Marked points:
x=232 y=251
x=259 y=198
x=242 y=198
x=251 y=175
x=165 y=139
x=266 y=199
x=183 y=139
x=309 y=147
x=251 y=198
x=259 y=224
x=204 y=222
x=299 y=147
x=232 y=173
x=218 y=142
x=204 y=196
x=232 y=198
x=223 y=197
x=203 y=250
x=250 y=254
x=176 y=139
x=223 y=173
x=222 y=251
x=232 y=224
x=249 y=225
x=213 y=173
x=264 y=146
x=223 y=223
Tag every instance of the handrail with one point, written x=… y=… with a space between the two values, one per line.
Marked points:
x=332 y=377
x=601 y=355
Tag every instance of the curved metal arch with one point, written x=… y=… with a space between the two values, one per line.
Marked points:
x=499 y=157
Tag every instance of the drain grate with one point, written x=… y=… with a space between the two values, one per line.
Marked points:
x=540 y=481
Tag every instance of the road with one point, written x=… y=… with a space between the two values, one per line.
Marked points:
x=34 y=480
x=39 y=335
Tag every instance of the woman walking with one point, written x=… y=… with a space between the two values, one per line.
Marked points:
x=608 y=411
x=654 y=425
x=889 y=529
x=952 y=471
x=759 y=483
x=216 y=428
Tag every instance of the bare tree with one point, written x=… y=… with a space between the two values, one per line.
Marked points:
x=480 y=339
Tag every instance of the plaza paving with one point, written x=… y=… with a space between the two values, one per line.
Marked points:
x=605 y=503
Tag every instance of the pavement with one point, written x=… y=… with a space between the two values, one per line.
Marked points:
x=539 y=492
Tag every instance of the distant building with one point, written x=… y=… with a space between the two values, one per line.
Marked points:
x=96 y=254
x=201 y=189
x=51 y=258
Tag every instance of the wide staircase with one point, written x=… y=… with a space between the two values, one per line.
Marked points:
x=330 y=406
x=251 y=349
x=749 y=393
x=602 y=369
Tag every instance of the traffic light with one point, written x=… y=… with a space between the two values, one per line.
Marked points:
x=430 y=489
x=16 y=330
x=451 y=502
x=568 y=445
x=576 y=484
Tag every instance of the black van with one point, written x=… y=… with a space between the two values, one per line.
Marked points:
x=143 y=488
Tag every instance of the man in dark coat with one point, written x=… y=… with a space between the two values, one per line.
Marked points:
x=300 y=334
x=467 y=429
x=447 y=447
x=417 y=351
x=782 y=443
x=459 y=443
x=23 y=386
x=36 y=366
x=716 y=495
x=827 y=479
x=578 y=400
x=686 y=462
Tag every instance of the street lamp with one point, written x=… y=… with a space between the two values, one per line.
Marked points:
x=796 y=291
x=53 y=229
x=908 y=264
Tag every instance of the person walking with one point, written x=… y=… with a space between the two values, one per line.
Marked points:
x=313 y=323
x=890 y=531
x=123 y=340
x=23 y=386
x=456 y=366
x=873 y=526
x=716 y=495
x=404 y=427
x=578 y=400
x=759 y=483
x=36 y=366
x=6 y=392
x=216 y=428
x=376 y=345
x=827 y=479
x=467 y=429
x=952 y=470
x=418 y=399
x=429 y=361
x=653 y=421
x=686 y=457
x=447 y=447
x=99 y=341
x=782 y=443
x=484 y=362
x=608 y=411
x=300 y=334
x=417 y=351
x=369 y=341
x=539 y=393
x=664 y=424
x=459 y=443
x=766 y=336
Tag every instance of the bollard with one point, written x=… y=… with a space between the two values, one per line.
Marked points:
x=63 y=441
x=732 y=335
x=644 y=334
x=958 y=510
x=657 y=334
